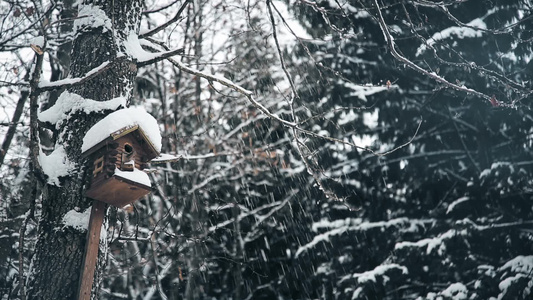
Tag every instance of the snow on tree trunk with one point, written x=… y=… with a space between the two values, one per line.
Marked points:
x=58 y=257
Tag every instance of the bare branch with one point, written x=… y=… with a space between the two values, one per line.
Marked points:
x=462 y=140
x=7 y=83
x=262 y=218
x=166 y=158
x=508 y=225
x=169 y=22
x=280 y=53
x=151 y=11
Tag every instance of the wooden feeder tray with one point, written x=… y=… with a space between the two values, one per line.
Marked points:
x=118 y=191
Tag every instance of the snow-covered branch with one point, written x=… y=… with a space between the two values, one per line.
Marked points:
x=70 y=82
x=161 y=56
x=249 y=95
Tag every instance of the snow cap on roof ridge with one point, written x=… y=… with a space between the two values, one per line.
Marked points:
x=120 y=119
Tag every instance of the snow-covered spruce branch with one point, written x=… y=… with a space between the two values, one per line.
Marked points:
x=468 y=222
x=515 y=86
x=249 y=95
x=457 y=153
x=392 y=47
x=464 y=64
x=446 y=11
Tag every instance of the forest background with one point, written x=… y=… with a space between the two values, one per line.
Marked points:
x=327 y=149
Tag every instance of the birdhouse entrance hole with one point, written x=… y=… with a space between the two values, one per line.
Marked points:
x=128 y=148
x=128 y=163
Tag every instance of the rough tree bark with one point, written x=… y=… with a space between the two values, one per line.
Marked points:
x=59 y=251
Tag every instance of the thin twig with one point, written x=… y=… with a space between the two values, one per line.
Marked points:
x=22 y=233
x=462 y=140
x=151 y=11
x=280 y=53
x=156 y=267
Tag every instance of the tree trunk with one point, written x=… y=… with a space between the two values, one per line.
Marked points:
x=59 y=251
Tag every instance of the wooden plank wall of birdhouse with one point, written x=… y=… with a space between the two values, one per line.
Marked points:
x=107 y=156
x=110 y=156
x=138 y=151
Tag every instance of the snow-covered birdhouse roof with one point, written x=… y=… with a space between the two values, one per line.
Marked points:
x=121 y=123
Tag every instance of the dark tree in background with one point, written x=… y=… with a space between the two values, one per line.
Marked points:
x=322 y=149
x=448 y=215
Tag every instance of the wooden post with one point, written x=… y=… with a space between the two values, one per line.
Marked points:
x=91 y=250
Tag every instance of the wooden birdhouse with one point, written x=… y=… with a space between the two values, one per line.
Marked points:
x=116 y=163
x=117 y=149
